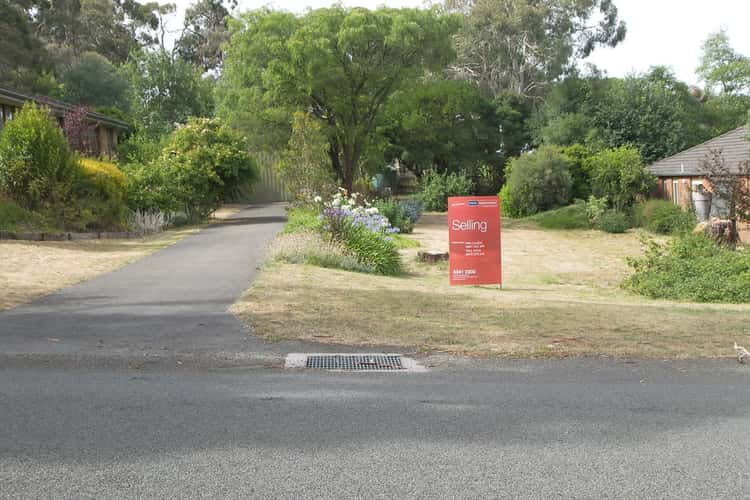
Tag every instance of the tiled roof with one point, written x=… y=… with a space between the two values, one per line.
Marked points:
x=734 y=146
x=10 y=96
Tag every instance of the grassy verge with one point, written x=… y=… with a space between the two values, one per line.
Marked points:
x=561 y=297
x=30 y=269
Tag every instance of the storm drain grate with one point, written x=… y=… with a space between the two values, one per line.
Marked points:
x=355 y=362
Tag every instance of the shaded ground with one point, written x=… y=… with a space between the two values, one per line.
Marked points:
x=560 y=297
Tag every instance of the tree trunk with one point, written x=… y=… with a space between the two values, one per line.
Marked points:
x=351 y=159
x=334 y=152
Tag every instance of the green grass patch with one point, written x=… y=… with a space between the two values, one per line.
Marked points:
x=570 y=217
x=402 y=242
x=302 y=219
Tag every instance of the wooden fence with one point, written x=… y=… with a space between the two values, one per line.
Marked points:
x=269 y=187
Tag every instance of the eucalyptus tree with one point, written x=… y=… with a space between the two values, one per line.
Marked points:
x=524 y=45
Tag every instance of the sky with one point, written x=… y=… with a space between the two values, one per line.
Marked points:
x=660 y=32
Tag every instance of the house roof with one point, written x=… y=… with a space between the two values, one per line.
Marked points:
x=734 y=146
x=58 y=108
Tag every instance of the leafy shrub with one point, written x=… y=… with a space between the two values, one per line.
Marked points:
x=570 y=217
x=202 y=164
x=506 y=205
x=396 y=215
x=150 y=190
x=34 y=158
x=364 y=233
x=538 y=182
x=578 y=155
x=371 y=249
x=305 y=166
x=101 y=188
x=412 y=208
x=619 y=175
x=595 y=208
x=693 y=268
x=140 y=148
x=13 y=217
x=663 y=217
x=613 y=221
x=437 y=188
x=301 y=219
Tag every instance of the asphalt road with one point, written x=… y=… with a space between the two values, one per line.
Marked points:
x=512 y=429
x=139 y=384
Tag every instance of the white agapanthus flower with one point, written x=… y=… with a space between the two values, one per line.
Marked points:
x=336 y=202
x=372 y=211
x=317 y=199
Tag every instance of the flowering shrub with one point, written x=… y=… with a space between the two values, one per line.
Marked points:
x=363 y=231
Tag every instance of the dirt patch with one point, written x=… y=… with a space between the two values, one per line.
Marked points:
x=29 y=269
x=560 y=297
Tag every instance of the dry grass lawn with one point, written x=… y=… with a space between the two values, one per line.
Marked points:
x=560 y=297
x=29 y=269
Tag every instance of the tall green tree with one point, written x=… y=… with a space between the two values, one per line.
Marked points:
x=722 y=68
x=112 y=29
x=94 y=81
x=654 y=112
x=205 y=30
x=22 y=54
x=726 y=74
x=166 y=91
x=445 y=125
x=524 y=45
x=341 y=64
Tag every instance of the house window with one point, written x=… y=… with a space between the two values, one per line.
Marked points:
x=676 y=192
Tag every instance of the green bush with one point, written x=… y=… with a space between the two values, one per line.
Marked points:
x=371 y=249
x=578 y=155
x=613 y=221
x=150 y=190
x=34 y=158
x=570 y=217
x=437 y=188
x=619 y=175
x=305 y=165
x=693 y=268
x=100 y=188
x=396 y=214
x=412 y=208
x=595 y=208
x=301 y=219
x=663 y=217
x=506 y=202
x=13 y=217
x=538 y=182
x=201 y=165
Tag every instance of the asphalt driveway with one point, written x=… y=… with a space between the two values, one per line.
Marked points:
x=173 y=302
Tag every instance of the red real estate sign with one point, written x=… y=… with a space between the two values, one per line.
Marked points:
x=474 y=236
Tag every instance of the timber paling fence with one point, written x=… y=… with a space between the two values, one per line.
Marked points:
x=269 y=187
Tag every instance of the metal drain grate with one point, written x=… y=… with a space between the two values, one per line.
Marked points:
x=354 y=362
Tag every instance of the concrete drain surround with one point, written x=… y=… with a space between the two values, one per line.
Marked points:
x=393 y=363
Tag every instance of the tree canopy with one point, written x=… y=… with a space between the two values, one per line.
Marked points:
x=524 y=45
x=341 y=64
